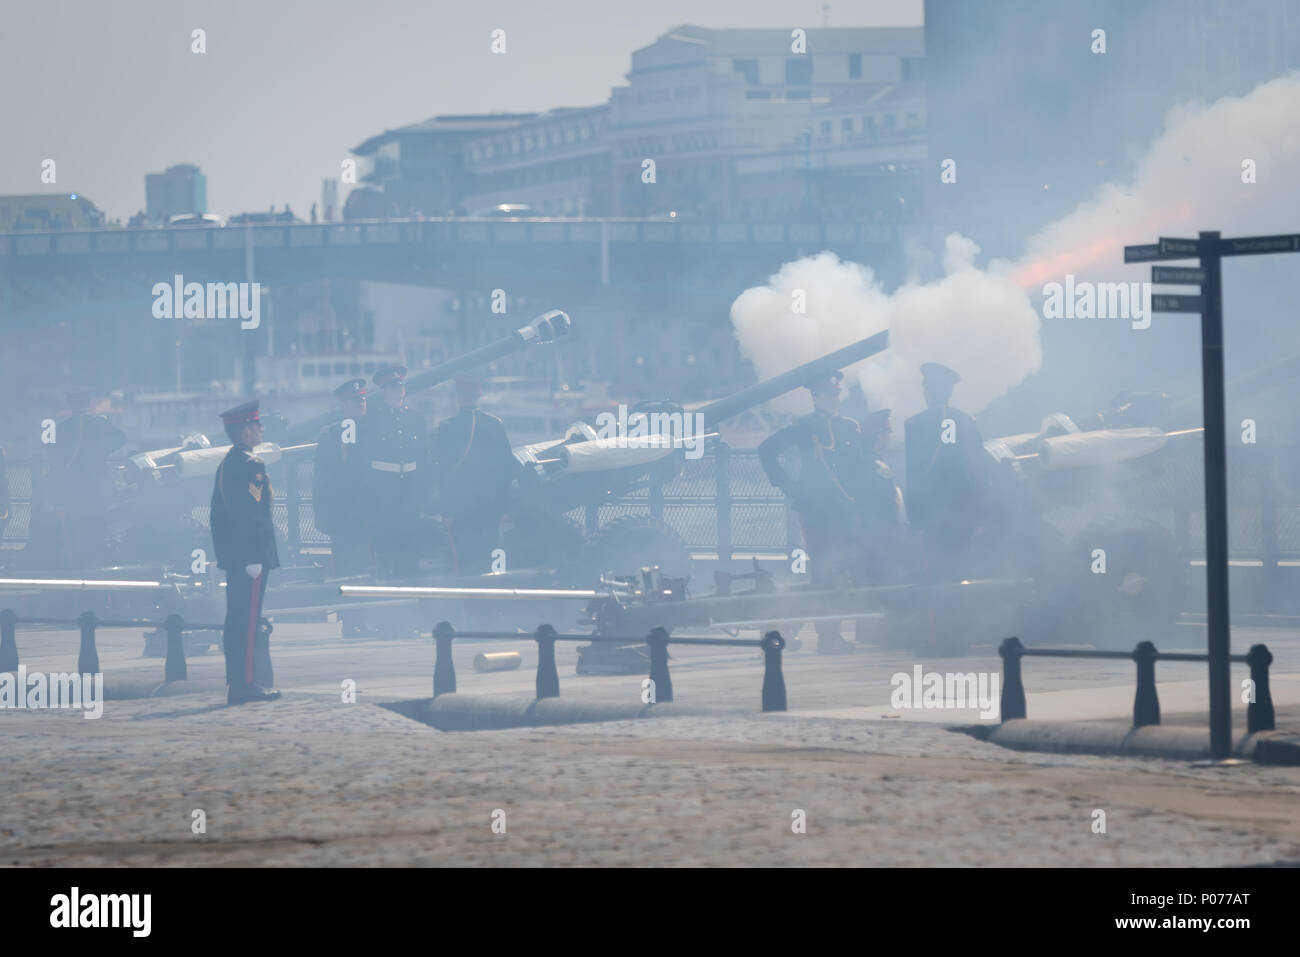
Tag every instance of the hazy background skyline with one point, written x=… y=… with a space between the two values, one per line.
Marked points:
x=288 y=87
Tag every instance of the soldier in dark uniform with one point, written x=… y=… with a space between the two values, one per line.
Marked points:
x=338 y=493
x=947 y=475
x=830 y=459
x=475 y=469
x=880 y=514
x=244 y=540
x=399 y=482
x=72 y=528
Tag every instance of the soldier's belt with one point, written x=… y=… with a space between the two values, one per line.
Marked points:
x=399 y=468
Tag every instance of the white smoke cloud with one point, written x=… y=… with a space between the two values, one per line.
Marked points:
x=977 y=321
x=985 y=322
x=1189 y=180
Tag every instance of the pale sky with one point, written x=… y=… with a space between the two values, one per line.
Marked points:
x=111 y=91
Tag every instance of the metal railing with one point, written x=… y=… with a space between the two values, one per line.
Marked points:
x=548 y=677
x=1146 y=704
x=174 y=669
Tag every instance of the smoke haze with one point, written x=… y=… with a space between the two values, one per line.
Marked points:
x=984 y=320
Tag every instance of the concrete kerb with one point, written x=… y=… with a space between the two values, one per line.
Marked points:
x=1156 y=741
x=461 y=712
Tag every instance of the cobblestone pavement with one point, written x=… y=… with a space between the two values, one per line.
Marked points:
x=309 y=780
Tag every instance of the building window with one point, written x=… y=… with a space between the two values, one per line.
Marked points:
x=846 y=125
x=514 y=145
x=869 y=125
x=308 y=369
x=798 y=94
x=585 y=132
x=748 y=68
x=569 y=135
x=798 y=69
x=855 y=66
x=889 y=121
x=911 y=69
x=825 y=128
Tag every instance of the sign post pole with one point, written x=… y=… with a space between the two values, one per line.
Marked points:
x=1216 y=494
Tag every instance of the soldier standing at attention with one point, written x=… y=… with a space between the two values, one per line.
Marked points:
x=475 y=469
x=338 y=493
x=244 y=540
x=399 y=482
x=946 y=475
x=830 y=458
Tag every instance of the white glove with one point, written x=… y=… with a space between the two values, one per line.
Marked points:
x=253 y=570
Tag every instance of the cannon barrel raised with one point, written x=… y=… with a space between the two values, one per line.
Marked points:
x=722 y=409
x=547 y=327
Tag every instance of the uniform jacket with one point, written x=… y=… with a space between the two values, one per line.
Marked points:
x=947 y=483
x=242 y=532
x=395 y=446
x=78 y=475
x=830 y=457
x=475 y=466
x=338 y=491
x=879 y=497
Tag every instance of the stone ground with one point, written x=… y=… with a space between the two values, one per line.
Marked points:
x=310 y=780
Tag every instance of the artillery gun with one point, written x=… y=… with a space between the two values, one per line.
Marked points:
x=162 y=492
x=587 y=467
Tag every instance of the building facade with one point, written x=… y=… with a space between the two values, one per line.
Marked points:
x=718 y=125
x=177 y=191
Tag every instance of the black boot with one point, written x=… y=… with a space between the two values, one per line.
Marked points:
x=242 y=694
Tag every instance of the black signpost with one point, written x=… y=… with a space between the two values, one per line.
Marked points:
x=1210 y=248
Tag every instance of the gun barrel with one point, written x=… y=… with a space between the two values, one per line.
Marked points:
x=547 y=327
x=724 y=408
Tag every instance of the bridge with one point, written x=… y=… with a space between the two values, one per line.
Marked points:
x=434 y=251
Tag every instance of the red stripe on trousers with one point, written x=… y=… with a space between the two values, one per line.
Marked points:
x=252 y=630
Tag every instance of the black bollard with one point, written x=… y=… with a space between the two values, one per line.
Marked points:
x=175 y=668
x=663 y=682
x=88 y=658
x=444 y=672
x=8 y=643
x=1259 y=712
x=1013 y=688
x=548 y=679
x=773 y=680
x=1146 y=706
